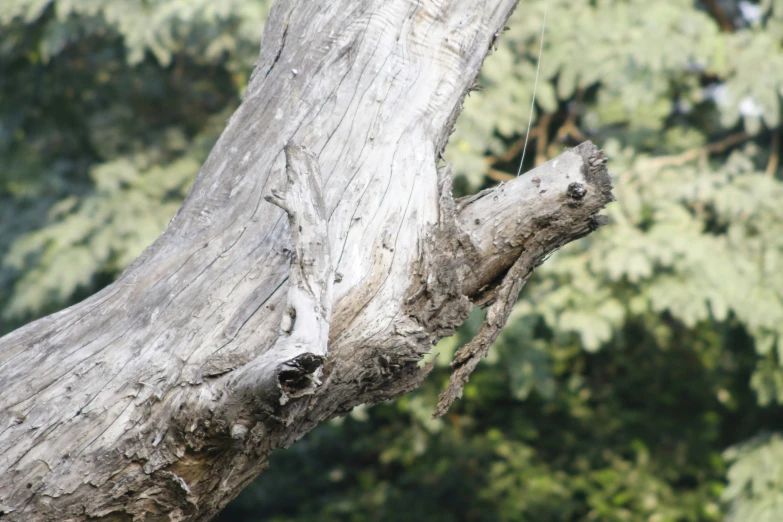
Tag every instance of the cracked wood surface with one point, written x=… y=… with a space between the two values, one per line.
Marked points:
x=133 y=404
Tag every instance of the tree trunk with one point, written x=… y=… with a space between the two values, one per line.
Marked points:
x=160 y=397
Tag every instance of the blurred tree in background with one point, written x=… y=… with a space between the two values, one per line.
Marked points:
x=640 y=377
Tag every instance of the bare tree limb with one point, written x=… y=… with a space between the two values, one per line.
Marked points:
x=160 y=397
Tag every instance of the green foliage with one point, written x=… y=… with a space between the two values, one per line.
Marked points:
x=107 y=110
x=639 y=378
x=755 y=487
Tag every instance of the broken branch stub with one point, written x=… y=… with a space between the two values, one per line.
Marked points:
x=497 y=238
x=296 y=360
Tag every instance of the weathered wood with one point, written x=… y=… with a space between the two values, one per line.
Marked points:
x=292 y=367
x=160 y=397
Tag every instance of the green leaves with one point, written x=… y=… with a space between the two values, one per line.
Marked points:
x=755 y=488
x=161 y=28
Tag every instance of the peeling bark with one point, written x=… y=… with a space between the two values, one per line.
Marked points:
x=247 y=323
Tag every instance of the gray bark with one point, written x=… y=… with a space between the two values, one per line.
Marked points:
x=249 y=321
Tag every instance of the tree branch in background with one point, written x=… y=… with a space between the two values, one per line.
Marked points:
x=544 y=148
x=697 y=153
x=515 y=150
x=774 y=153
x=542 y=138
x=717 y=12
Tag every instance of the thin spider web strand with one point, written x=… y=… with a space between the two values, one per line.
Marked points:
x=535 y=87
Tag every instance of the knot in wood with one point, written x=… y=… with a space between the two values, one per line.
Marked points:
x=576 y=191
